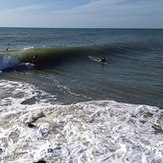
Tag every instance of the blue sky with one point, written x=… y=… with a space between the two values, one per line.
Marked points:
x=82 y=13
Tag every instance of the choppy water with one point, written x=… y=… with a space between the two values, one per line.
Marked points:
x=70 y=97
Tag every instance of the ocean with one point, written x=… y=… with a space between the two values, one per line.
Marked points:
x=59 y=103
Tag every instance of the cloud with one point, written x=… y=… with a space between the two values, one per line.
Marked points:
x=22 y=9
x=113 y=13
x=114 y=7
x=89 y=7
x=94 y=13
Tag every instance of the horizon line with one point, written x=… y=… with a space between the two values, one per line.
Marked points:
x=86 y=27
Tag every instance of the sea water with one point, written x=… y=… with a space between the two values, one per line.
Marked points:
x=74 y=109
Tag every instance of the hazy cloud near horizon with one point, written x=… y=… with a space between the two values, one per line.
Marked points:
x=82 y=13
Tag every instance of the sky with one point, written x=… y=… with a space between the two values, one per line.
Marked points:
x=82 y=13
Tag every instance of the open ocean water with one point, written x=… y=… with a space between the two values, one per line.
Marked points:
x=65 y=106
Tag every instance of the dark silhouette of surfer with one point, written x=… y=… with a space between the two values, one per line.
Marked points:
x=7 y=47
x=103 y=60
x=34 y=58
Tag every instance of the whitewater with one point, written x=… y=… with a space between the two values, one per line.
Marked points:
x=94 y=131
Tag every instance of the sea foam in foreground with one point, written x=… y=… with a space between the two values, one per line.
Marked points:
x=31 y=129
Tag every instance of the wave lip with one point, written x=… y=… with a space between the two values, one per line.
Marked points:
x=94 y=131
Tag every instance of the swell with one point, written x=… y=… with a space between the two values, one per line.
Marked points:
x=62 y=54
x=44 y=55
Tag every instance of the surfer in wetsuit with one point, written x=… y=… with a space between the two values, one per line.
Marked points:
x=103 y=60
x=34 y=58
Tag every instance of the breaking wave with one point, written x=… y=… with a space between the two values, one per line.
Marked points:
x=45 y=56
x=9 y=62
x=59 y=54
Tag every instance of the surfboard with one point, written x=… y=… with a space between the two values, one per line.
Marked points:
x=96 y=59
x=104 y=63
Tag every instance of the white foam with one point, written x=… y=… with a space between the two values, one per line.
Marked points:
x=30 y=47
x=8 y=62
x=26 y=65
x=95 y=131
x=15 y=96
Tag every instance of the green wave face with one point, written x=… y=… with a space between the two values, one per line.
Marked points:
x=45 y=55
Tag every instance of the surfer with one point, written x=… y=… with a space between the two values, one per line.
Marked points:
x=34 y=58
x=103 y=60
x=7 y=47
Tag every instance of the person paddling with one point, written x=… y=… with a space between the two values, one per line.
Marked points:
x=103 y=60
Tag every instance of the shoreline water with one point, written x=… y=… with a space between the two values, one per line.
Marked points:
x=94 y=131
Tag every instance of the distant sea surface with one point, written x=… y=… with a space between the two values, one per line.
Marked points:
x=60 y=69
